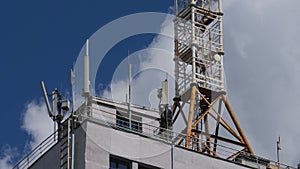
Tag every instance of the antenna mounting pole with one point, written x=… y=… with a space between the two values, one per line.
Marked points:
x=86 y=89
x=129 y=92
x=46 y=99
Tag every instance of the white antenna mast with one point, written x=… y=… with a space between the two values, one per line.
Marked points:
x=46 y=99
x=50 y=110
x=86 y=88
x=165 y=93
x=73 y=125
x=73 y=88
x=129 y=91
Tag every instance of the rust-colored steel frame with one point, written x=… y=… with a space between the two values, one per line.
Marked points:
x=198 y=38
x=239 y=138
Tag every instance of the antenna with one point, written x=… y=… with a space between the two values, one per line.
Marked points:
x=129 y=91
x=167 y=75
x=175 y=7
x=279 y=144
x=165 y=93
x=58 y=104
x=46 y=99
x=72 y=114
x=73 y=88
x=278 y=149
x=166 y=115
x=50 y=111
x=86 y=88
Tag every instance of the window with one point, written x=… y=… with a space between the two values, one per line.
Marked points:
x=116 y=162
x=136 y=126
x=123 y=122
x=119 y=163
x=145 y=166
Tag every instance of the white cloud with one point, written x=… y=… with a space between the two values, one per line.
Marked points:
x=36 y=122
x=5 y=162
x=38 y=126
x=148 y=71
x=119 y=88
x=146 y=79
x=262 y=66
x=7 y=157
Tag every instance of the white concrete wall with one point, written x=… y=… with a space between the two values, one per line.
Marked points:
x=200 y=161
x=80 y=144
x=102 y=141
x=103 y=113
x=95 y=143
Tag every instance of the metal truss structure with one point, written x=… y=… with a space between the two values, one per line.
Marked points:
x=200 y=81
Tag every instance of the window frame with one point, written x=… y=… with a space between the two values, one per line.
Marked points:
x=123 y=122
x=146 y=166
x=119 y=160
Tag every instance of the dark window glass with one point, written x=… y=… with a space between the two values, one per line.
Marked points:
x=145 y=166
x=119 y=163
x=113 y=165
x=123 y=166
x=124 y=123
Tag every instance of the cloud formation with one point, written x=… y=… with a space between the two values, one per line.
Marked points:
x=149 y=69
x=36 y=122
x=38 y=126
x=262 y=67
x=6 y=158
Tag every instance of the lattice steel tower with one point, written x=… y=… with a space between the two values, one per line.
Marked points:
x=200 y=82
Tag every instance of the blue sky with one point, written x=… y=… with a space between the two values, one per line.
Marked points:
x=40 y=40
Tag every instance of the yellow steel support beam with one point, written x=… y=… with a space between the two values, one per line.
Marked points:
x=227 y=127
x=191 y=116
x=236 y=123
x=235 y=154
x=205 y=113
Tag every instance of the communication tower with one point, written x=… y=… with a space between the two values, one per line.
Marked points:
x=199 y=77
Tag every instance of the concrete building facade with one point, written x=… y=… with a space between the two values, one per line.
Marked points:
x=103 y=140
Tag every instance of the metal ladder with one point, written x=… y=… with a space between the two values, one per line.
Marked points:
x=65 y=144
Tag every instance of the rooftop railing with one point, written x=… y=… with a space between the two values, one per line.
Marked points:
x=37 y=152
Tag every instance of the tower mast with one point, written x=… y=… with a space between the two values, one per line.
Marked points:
x=199 y=76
